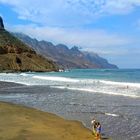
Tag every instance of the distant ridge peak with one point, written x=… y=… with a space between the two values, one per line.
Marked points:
x=65 y=57
x=1 y=23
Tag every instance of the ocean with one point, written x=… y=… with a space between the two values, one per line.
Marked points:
x=124 y=82
x=111 y=96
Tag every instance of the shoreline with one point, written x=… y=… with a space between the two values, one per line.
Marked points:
x=21 y=89
x=80 y=106
x=9 y=84
x=22 y=122
x=117 y=114
x=10 y=116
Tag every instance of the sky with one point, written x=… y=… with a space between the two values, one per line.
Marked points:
x=110 y=28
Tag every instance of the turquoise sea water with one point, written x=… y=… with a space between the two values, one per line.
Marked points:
x=121 y=82
x=120 y=75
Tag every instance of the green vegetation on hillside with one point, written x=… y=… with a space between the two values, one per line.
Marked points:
x=17 y=56
x=7 y=41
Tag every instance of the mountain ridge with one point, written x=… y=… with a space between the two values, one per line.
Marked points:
x=16 y=56
x=66 y=58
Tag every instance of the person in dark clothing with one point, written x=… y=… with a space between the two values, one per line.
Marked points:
x=98 y=131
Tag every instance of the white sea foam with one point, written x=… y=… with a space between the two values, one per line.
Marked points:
x=110 y=114
x=65 y=79
x=61 y=79
x=24 y=74
x=98 y=91
x=126 y=84
x=114 y=83
x=87 y=85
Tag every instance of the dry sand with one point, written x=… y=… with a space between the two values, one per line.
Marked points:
x=22 y=123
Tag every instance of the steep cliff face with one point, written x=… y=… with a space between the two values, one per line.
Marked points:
x=66 y=58
x=17 y=56
x=99 y=61
x=1 y=23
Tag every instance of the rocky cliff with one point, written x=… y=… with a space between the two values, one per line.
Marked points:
x=1 y=23
x=66 y=58
x=17 y=56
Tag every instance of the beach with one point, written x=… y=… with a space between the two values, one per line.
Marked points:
x=118 y=114
x=70 y=106
x=22 y=123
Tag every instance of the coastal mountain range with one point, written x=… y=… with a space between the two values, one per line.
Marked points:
x=19 y=52
x=16 y=56
x=65 y=57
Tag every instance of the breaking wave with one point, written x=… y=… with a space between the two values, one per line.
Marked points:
x=87 y=85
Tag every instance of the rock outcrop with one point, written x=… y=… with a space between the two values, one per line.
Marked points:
x=17 y=56
x=1 y=23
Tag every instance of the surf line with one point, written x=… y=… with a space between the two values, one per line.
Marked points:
x=110 y=114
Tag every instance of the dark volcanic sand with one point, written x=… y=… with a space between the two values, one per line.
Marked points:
x=9 y=84
x=81 y=106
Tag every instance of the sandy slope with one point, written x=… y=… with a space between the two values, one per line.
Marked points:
x=22 y=123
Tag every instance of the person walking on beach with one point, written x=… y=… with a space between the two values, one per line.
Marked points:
x=94 y=124
x=96 y=129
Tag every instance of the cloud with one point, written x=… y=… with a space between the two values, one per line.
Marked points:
x=54 y=15
x=59 y=21
x=119 y=6
x=69 y=12
x=98 y=40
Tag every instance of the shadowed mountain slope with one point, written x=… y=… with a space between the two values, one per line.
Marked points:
x=66 y=58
